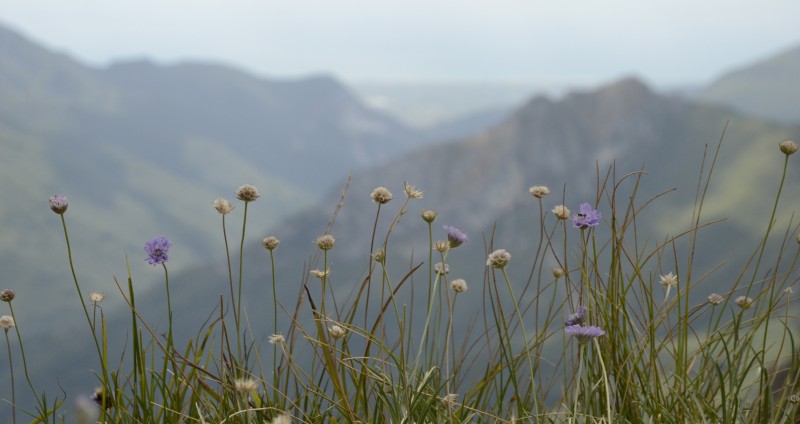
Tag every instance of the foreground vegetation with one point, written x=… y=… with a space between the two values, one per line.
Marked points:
x=612 y=332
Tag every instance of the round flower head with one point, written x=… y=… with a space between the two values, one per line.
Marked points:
x=441 y=246
x=561 y=212
x=223 y=206
x=669 y=280
x=498 y=259
x=157 y=249
x=788 y=147
x=587 y=217
x=6 y=322
x=283 y=418
x=795 y=398
x=715 y=299
x=539 y=191
x=455 y=236
x=558 y=272
x=245 y=385
x=325 y=242
x=744 y=302
x=247 y=193
x=577 y=318
x=59 y=203
x=7 y=295
x=411 y=191
x=441 y=269
x=270 y=243
x=428 y=215
x=276 y=339
x=336 y=331
x=379 y=256
x=96 y=297
x=381 y=195
x=459 y=285
x=584 y=334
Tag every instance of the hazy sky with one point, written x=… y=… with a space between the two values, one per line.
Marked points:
x=666 y=42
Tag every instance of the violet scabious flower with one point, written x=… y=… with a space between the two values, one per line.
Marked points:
x=584 y=334
x=455 y=236
x=576 y=318
x=59 y=203
x=157 y=249
x=587 y=217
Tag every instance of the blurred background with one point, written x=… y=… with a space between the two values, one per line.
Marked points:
x=143 y=112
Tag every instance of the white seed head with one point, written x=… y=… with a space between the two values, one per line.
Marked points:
x=245 y=385
x=498 y=259
x=539 y=191
x=788 y=147
x=381 y=195
x=428 y=215
x=320 y=274
x=441 y=269
x=6 y=322
x=561 y=212
x=270 y=243
x=459 y=285
x=558 y=272
x=744 y=302
x=325 y=242
x=715 y=299
x=276 y=339
x=223 y=206
x=411 y=191
x=669 y=280
x=336 y=331
x=96 y=297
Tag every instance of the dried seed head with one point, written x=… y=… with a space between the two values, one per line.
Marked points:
x=223 y=206
x=558 y=272
x=539 y=191
x=7 y=295
x=715 y=299
x=428 y=215
x=788 y=147
x=270 y=243
x=325 y=242
x=498 y=259
x=411 y=191
x=561 y=212
x=744 y=302
x=336 y=331
x=459 y=285
x=247 y=193
x=381 y=195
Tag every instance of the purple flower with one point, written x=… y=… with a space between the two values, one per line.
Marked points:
x=584 y=334
x=157 y=249
x=576 y=318
x=59 y=203
x=455 y=236
x=587 y=217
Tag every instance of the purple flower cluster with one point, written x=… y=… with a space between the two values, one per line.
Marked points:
x=59 y=203
x=584 y=334
x=157 y=249
x=587 y=217
x=455 y=236
x=577 y=318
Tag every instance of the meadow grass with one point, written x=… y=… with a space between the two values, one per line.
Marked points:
x=614 y=333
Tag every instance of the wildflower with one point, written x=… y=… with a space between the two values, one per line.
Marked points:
x=157 y=249
x=441 y=269
x=428 y=215
x=379 y=256
x=320 y=274
x=381 y=195
x=558 y=272
x=243 y=385
x=270 y=243
x=539 y=191
x=577 y=318
x=441 y=246
x=411 y=191
x=788 y=147
x=455 y=236
x=587 y=217
x=223 y=206
x=283 y=418
x=498 y=259
x=561 y=212
x=450 y=401
x=787 y=291
x=744 y=302
x=276 y=338
x=59 y=203
x=336 y=331
x=6 y=322
x=715 y=299
x=795 y=398
x=459 y=285
x=7 y=295
x=247 y=193
x=669 y=280
x=96 y=297
x=325 y=242
x=584 y=334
